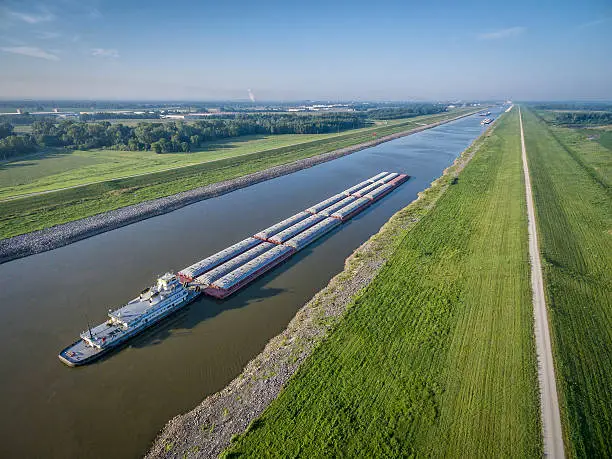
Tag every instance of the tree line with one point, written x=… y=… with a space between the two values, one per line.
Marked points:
x=178 y=136
x=410 y=111
x=14 y=145
x=583 y=118
x=584 y=105
x=103 y=116
x=167 y=137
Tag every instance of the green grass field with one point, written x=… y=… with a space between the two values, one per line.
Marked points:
x=42 y=211
x=572 y=199
x=588 y=146
x=64 y=168
x=596 y=150
x=436 y=357
x=605 y=138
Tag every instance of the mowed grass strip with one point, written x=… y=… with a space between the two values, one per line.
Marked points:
x=436 y=357
x=42 y=211
x=575 y=227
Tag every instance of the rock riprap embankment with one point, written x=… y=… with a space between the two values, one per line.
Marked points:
x=67 y=233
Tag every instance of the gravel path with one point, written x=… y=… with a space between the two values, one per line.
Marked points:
x=60 y=235
x=551 y=418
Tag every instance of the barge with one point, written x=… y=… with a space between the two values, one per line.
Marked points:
x=208 y=278
x=240 y=277
x=280 y=226
x=349 y=211
x=339 y=205
x=228 y=270
x=191 y=272
x=312 y=234
x=288 y=233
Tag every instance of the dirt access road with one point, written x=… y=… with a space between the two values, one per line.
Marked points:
x=549 y=402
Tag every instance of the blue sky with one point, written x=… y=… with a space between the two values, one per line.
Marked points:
x=281 y=50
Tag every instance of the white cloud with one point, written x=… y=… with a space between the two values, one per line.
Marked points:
x=32 y=18
x=502 y=33
x=30 y=51
x=596 y=22
x=101 y=52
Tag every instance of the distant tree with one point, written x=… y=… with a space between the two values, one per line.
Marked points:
x=157 y=147
x=195 y=140
x=17 y=145
x=408 y=111
x=6 y=129
x=44 y=127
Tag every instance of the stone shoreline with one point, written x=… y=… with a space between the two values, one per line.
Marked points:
x=67 y=233
x=207 y=430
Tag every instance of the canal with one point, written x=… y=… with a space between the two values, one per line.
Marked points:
x=114 y=408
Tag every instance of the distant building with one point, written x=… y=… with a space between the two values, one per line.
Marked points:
x=173 y=117
x=55 y=113
x=196 y=116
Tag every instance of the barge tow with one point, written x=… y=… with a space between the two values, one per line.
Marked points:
x=227 y=271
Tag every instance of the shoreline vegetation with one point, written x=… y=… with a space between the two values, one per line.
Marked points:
x=209 y=429
x=31 y=238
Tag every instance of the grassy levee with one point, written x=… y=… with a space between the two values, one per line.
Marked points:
x=574 y=223
x=436 y=357
x=45 y=210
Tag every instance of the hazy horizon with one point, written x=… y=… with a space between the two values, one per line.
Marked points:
x=94 y=50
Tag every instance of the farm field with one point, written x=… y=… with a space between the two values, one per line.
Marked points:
x=64 y=168
x=436 y=358
x=595 y=146
x=572 y=200
x=44 y=210
x=590 y=146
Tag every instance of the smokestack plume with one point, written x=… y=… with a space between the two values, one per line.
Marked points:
x=251 y=95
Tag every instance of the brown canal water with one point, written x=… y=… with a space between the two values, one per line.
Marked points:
x=115 y=408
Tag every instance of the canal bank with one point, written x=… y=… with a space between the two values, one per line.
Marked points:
x=68 y=233
x=117 y=407
x=208 y=429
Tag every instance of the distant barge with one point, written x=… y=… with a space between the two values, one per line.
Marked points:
x=227 y=271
